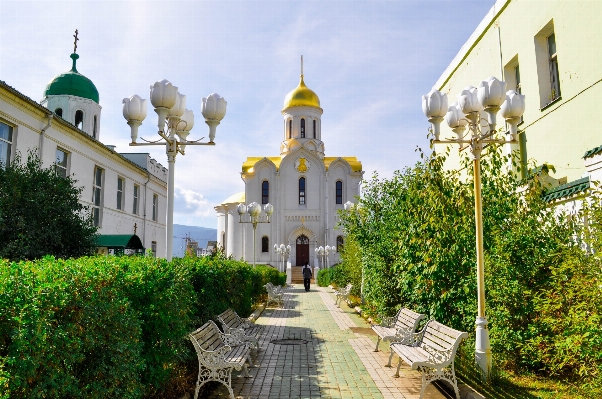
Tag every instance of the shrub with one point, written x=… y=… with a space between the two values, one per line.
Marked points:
x=111 y=327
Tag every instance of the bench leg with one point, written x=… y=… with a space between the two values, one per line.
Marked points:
x=377 y=342
x=390 y=358
x=246 y=371
x=205 y=375
x=398 y=366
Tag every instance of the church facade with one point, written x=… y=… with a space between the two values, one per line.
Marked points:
x=306 y=188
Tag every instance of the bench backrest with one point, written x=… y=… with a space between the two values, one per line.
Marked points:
x=229 y=318
x=442 y=338
x=408 y=320
x=207 y=337
x=348 y=288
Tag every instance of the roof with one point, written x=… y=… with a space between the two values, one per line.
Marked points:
x=301 y=96
x=119 y=241
x=567 y=190
x=592 y=152
x=72 y=83
x=238 y=198
x=247 y=166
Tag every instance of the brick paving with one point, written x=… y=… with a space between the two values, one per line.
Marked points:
x=334 y=362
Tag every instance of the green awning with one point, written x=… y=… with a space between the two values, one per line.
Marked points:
x=120 y=241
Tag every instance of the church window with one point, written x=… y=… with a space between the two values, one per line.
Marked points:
x=302 y=191
x=136 y=199
x=314 y=128
x=265 y=244
x=60 y=163
x=120 y=197
x=303 y=240
x=290 y=128
x=59 y=112
x=94 y=127
x=154 y=248
x=339 y=192
x=302 y=128
x=155 y=207
x=97 y=196
x=79 y=119
x=265 y=192
x=339 y=243
x=6 y=141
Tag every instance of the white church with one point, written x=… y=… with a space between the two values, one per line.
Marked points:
x=306 y=188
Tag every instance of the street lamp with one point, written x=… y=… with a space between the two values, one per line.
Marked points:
x=170 y=107
x=465 y=114
x=255 y=217
x=282 y=250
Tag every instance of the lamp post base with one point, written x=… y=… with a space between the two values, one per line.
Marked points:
x=482 y=348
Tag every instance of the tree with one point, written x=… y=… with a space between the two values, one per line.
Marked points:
x=40 y=213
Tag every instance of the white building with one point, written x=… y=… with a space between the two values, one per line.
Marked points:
x=306 y=188
x=126 y=192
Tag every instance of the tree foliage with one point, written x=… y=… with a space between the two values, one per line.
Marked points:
x=417 y=237
x=40 y=213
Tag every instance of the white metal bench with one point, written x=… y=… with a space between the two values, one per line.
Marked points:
x=218 y=354
x=397 y=328
x=274 y=294
x=230 y=320
x=342 y=294
x=432 y=352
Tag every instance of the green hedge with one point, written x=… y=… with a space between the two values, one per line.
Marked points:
x=111 y=327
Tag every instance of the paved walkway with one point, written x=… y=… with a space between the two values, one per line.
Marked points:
x=334 y=363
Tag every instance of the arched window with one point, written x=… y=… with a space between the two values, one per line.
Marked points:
x=94 y=127
x=79 y=119
x=314 y=128
x=339 y=243
x=302 y=191
x=59 y=112
x=303 y=240
x=265 y=244
x=339 y=192
x=265 y=192
x=290 y=128
x=302 y=128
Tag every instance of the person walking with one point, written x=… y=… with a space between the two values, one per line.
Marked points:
x=307 y=274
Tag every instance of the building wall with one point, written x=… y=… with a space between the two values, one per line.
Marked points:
x=514 y=33
x=85 y=153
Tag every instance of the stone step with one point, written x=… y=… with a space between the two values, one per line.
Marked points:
x=297 y=275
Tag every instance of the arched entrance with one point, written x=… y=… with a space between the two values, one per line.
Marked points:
x=302 y=250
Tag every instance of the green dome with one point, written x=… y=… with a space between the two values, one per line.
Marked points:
x=72 y=83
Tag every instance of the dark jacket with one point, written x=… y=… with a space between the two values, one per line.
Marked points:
x=307 y=272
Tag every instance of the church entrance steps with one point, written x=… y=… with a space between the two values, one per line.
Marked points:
x=297 y=275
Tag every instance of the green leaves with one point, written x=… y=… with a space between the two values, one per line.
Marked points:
x=40 y=213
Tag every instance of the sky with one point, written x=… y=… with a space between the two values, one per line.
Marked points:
x=368 y=61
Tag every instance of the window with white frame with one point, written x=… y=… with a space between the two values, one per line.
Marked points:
x=553 y=63
x=97 y=196
x=302 y=191
x=120 y=196
x=339 y=192
x=60 y=162
x=79 y=119
x=136 y=199
x=154 y=248
x=155 y=207
x=6 y=141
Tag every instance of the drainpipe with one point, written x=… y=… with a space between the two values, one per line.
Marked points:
x=41 y=143
x=144 y=221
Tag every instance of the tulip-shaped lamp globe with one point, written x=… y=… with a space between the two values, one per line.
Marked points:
x=254 y=209
x=491 y=95
x=512 y=109
x=456 y=120
x=184 y=126
x=434 y=106
x=179 y=107
x=213 y=109
x=163 y=96
x=269 y=209
x=468 y=102
x=241 y=209
x=134 y=112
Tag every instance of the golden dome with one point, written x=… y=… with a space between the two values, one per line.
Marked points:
x=301 y=96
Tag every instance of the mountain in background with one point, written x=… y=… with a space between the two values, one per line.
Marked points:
x=198 y=234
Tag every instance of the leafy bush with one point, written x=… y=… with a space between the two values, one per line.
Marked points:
x=325 y=276
x=417 y=237
x=111 y=327
x=41 y=213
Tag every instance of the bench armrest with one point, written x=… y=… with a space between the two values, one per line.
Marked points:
x=438 y=357
x=387 y=321
x=234 y=337
x=213 y=360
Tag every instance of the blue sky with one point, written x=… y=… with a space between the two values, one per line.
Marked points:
x=369 y=62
